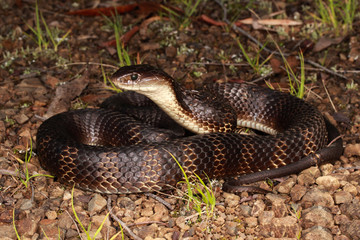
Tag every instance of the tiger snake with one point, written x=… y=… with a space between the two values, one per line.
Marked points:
x=130 y=146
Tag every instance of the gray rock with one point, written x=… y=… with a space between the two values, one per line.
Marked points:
x=91 y=233
x=7 y=231
x=231 y=228
x=350 y=188
x=351 y=229
x=126 y=202
x=21 y=118
x=251 y=221
x=275 y=198
x=266 y=217
x=351 y=210
x=64 y=221
x=305 y=179
x=98 y=219
x=245 y=210
x=341 y=219
x=297 y=192
x=278 y=204
x=258 y=208
x=318 y=233
x=313 y=171
x=57 y=192
x=281 y=227
x=342 y=197
x=231 y=199
x=26 y=227
x=327 y=169
x=317 y=197
x=341 y=237
x=96 y=204
x=26 y=204
x=328 y=183
x=317 y=216
x=181 y=223
x=161 y=213
x=51 y=215
x=352 y=150
x=285 y=186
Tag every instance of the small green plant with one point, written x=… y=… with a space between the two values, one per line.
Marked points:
x=297 y=87
x=107 y=80
x=9 y=120
x=43 y=39
x=255 y=62
x=270 y=183
x=28 y=177
x=79 y=104
x=87 y=231
x=189 y=8
x=352 y=86
x=337 y=14
x=122 y=53
x=197 y=74
x=297 y=211
x=198 y=193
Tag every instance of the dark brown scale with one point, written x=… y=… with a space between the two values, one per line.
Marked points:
x=113 y=152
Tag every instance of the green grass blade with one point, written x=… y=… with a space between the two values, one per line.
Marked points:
x=14 y=225
x=76 y=216
x=247 y=57
x=190 y=192
x=48 y=32
x=301 y=89
x=170 y=11
x=101 y=225
x=38 y=33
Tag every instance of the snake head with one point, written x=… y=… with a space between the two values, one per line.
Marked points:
x=141 y=78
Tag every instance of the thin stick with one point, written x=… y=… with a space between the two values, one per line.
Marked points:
x=77 y=228
x=328 y=95
x=159 y=199
x=123 y=225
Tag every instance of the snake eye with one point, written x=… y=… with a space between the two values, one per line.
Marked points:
x=134 y=76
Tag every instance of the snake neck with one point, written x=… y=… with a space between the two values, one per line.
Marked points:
x=198 y=111
x=171 y=99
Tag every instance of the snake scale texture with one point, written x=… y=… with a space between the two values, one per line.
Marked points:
x=131 y=146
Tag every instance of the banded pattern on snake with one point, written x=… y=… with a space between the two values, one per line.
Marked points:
x=113 y=151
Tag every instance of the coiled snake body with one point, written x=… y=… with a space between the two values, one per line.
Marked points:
x=112 y=151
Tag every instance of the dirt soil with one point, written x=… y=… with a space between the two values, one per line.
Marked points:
x=322 y=202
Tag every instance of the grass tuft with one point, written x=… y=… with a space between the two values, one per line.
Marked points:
x=189 y=8
x=199 y=195
x=28 y=177
x=116 y=23
x=339 y=15
x=297 y=87
x=255 y=61
x=44 y=38
x=87 y=231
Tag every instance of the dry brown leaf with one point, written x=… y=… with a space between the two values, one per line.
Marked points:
x=65 y=93
x=326 y=42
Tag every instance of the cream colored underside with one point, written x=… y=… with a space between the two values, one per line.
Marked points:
x=165 y=98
